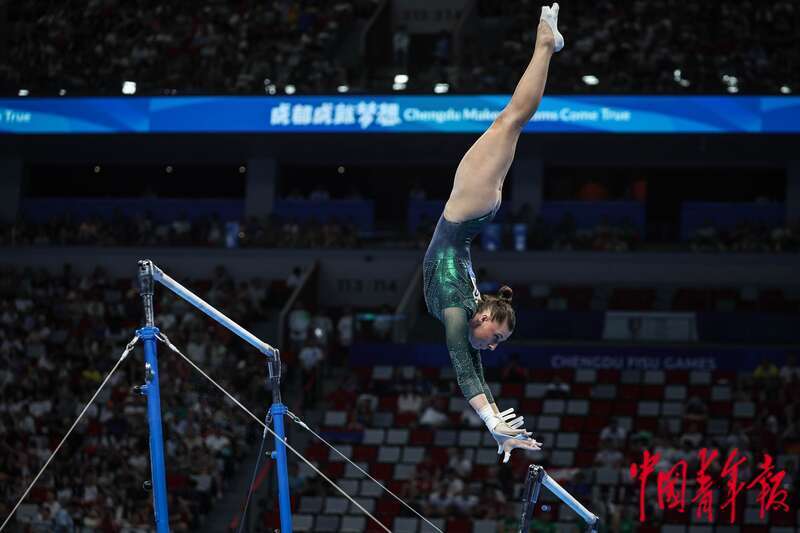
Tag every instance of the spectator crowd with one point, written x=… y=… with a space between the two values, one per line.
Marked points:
x=249 y=47
x=212 y=47
x=453 y=487
x=61 y=333
x=708 y=48
x=747 y=237
x=59 y=336
x=251 y=232
x=273 y=232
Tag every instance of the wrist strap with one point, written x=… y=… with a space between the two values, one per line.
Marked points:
x=487 y=415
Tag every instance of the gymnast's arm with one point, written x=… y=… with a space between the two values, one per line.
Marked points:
x=469 y=374
x=464 y=358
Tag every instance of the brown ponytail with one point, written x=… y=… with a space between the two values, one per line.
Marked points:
x=499 y=307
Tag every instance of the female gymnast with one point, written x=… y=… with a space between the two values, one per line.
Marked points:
x=472 y=321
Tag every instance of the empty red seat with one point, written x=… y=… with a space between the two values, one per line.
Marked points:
x=607 y=375
x=678 y=377
x=382 y=471
x=628 y=391
x=431 y=373
x=513 y=390
x=701 y=391
x=584 y=458
x=405 y=419
x=589 y=441
x=567 y=375
x=386 y=520
x=651 y=392
x=317 y=452
x=388 y=403
x=580 y=390
x=544 y=374
x=388 y=506
x=530 y=406
x=572 y=423
x=334 y=470
x=600 y=408
x=421 y=437
x=459 y=524
x=625 y=408
x=479 y=471
x=720 y=409
x=595 y=424
x=396 y=486
x=365 y=453
x=439 y=455
x=647 y=423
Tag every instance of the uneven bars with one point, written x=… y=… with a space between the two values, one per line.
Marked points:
x=537 y=478
x=147 y=266
x=148 y=273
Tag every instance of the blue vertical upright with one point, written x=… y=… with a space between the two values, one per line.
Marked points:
x=153 y=393
x=148 y=275
x=278 y=410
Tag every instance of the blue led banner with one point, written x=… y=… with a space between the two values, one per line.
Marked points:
x=738 y=358
x=396 y=114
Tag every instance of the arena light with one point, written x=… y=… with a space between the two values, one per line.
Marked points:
x=290 y=89
x=129 y=87
x=785 y=89
x=62 y=92
x=23 y=92
x=590 y=79
x=732 y=82
x=441 y=88
x=343 y=88
x=677 y=75
x=401 y=78
x=270 y=89
x=399 y=86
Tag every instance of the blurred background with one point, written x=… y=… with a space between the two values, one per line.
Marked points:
x=655 y=265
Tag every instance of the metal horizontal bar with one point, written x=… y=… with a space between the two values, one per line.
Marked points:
x=567 y=498
x=211 y=311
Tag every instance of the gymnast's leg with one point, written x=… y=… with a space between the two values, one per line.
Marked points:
x=479 y=178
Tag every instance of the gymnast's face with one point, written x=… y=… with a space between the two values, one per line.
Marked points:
x=486 y=334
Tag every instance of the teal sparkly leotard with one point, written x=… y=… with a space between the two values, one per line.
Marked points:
x=452 y=296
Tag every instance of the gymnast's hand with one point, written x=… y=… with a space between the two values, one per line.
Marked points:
x=502 y=433
x=512 y=420
x=526 y=443
x=502 y=426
